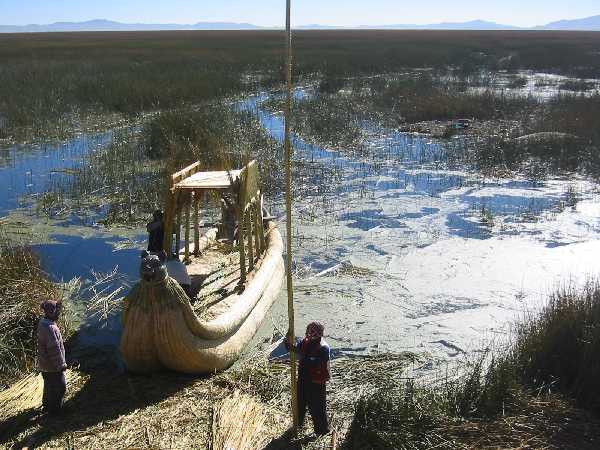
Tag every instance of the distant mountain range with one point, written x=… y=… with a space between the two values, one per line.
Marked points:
x=108 y=25
x=586 y=24
x=471 y=25
x=589 y=23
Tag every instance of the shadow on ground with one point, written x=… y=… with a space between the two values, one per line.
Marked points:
x=104 y=393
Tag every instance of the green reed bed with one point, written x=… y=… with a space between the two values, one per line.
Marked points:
x=343 y=119
x=120 y=183
x=577 y=85
x=549 y=364
x=511 y=132
x=124 y=182
x=508 y=132
x=425 y=98
x=51 y=82
x=557 y=136
x=558 y=349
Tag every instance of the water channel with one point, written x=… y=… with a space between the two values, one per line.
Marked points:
x=400 y=252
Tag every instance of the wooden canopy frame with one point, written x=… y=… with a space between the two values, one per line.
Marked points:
x=186 y=189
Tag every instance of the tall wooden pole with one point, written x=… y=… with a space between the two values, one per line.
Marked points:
x=288 y=204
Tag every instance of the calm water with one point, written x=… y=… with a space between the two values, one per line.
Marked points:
x=394 y=250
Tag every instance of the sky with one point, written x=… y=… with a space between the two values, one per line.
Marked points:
x=524 y=13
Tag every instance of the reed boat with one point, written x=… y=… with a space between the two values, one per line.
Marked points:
x=233 y=284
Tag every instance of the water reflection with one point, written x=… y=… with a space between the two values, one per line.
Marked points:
x=69 y=256
x=28 y=170
x=400 y=166
x=432 y=239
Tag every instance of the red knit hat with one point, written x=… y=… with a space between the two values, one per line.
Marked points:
x=51 y=309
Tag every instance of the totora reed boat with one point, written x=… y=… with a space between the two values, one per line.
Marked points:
x=231 y=279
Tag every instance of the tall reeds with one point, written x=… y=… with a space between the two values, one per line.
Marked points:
x=50 y=82
x=552 y=352
x=23 y=286
x=558 y=349
x=126 y=180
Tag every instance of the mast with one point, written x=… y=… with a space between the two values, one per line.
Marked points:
x=288 y=204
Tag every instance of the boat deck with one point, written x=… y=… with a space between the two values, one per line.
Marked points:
x=215 y=276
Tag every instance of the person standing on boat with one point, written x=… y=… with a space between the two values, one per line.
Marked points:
x=228 y=217
x=156 y=232
x=313 y=373
x=51 y=357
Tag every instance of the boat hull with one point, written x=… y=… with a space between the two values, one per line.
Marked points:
x=161 y=330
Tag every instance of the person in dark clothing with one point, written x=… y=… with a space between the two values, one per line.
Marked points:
x=156 y=232
x=228 y=218
x=313 y=374
x=51 y=357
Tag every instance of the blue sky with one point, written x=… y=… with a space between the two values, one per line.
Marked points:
x=270 y=12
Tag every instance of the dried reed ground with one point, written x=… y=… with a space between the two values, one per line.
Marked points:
x=111 y=409
x=107 y=409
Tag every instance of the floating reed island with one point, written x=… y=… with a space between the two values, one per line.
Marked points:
x=234 y=278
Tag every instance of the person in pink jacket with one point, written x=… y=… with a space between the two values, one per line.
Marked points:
x=51 y=357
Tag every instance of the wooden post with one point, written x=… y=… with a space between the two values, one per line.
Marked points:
x=196 y=223
x=257 y=228
x=288 y=206
x=240 y=221
x=169 y=217
x=188 y=205
x=178 y=230
x=261 y=228
x=248 y=217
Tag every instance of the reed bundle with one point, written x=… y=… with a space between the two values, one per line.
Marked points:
x=161 y=329
x=26 y=394
x=238 y=424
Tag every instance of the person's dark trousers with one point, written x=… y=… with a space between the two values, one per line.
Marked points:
x=313 y=396
x=55 y=386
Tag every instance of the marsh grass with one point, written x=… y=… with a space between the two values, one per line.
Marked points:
x=332 y=121
x=51 y=82
x=341 y=119
x=23 y=286
x=424 y=100
x=552 y=352
x=125 y=181
x=417 y=414
x=576 y=85
x=570 y=138
x=508 y=133
x=517 y=82
x=486 y=217
x=557 y=349
x=119 y=182
x=406 y=419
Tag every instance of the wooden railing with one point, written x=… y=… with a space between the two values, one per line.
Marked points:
x=251 y=231
x=184 y=205
x=176 y=202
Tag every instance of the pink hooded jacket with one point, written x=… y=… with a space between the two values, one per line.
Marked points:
x=51 y=350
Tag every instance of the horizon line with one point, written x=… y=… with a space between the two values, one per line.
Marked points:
x=313 y=24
